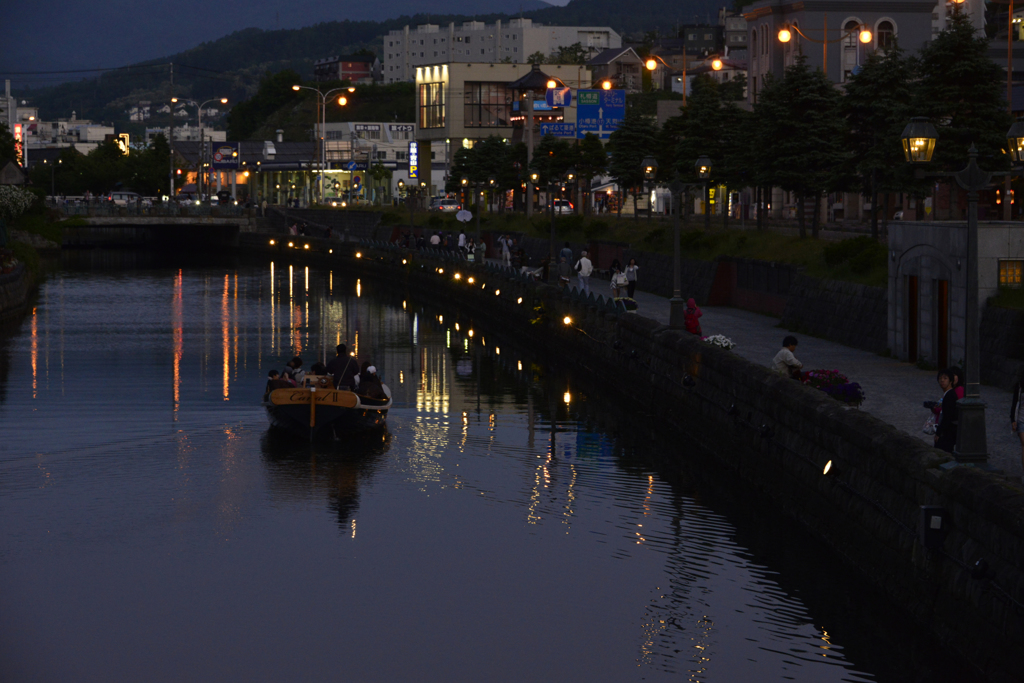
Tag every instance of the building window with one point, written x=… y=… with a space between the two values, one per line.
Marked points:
x=886 y=35
x=467 y=38
x=487 y=105
x=1011 y=273
x=432 y=105
x=400 y=156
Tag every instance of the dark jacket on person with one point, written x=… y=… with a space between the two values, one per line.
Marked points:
x=946 y=431
x=1015 y=405
x=344 y=369
x=370 y=387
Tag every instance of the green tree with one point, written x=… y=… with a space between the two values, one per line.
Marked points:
x=7 y=149
x=537 y=57
x=962 y=91
x=800 y=136
x=636 y=138
x=275 y=91
x=552 y=158
x=591 y=161
x=876 y=107
x=571 y=54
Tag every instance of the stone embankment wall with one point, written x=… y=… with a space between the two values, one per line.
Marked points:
x=777 y=435
x=357 y=224
x=853 y=315
x=15 y=288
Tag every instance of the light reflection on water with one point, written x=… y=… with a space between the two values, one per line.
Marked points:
x=154 y=527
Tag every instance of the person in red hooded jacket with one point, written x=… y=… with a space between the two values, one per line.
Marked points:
x=691 y=317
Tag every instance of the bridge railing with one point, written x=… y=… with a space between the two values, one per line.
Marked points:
x=102 y=208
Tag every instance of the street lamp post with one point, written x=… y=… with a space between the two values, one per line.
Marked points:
x=322 y=147
x=703 y=168
x=919 y=139
x=199 y=124
x=650 y=168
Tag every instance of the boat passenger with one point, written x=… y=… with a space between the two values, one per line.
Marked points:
x=370 y=385
x=274 y=381
x=344 y=368
x=293 y=370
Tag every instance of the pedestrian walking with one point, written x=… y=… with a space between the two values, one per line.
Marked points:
x=583 y=270
x=945 y=433
x=1017 y=414
x=691 y=317
x=631 y=270
x=564 y=272
x=462 y=240
x=785 y=362
x=566 y=253
x=618 y=282
x=506 y=250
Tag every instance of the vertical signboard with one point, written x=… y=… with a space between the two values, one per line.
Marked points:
x=18 y=140
x=414 y=159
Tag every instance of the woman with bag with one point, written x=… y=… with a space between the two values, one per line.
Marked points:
x=631 y=271
x=1017 y=414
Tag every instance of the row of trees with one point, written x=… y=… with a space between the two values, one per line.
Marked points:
x=804 y=135
x=106 y=168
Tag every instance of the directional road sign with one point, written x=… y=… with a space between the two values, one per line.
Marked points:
x=599 y=111
x=559 y=130
x=558 y=97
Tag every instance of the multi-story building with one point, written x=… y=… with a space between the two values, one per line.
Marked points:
x=187 y=133
x=474 y=41
x=353 y=147
x=459 y=104
x=358 y=69
x=622 y=66
x=833 y=20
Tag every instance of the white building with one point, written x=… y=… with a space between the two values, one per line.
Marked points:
x=475 y=41
x=187 y=133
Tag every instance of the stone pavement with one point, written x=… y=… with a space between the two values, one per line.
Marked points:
x=894 y=390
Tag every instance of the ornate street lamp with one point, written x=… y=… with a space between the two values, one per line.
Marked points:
x=919 y=140
x=650 y=169
x=703 y=169
x=1015 y=140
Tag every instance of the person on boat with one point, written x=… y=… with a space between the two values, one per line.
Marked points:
x=293 y=371
x=345 y=369
x=318 y=368
x=370 y=384
x=274 y=381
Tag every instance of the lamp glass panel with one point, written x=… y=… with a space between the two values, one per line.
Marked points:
x=918 y=150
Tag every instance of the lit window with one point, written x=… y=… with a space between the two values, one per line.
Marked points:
x=1011 y=273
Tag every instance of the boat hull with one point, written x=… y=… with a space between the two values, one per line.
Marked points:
x=327 y=414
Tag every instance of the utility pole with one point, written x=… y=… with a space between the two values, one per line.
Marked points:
x=170 y=132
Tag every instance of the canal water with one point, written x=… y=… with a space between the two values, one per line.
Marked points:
x=508 y=527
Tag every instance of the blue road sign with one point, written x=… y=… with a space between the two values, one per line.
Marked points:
x=558 y=97
x=351 y=166
x=559 y=130
x=599 y=111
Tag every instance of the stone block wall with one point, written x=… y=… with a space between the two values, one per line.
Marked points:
x=853 y=315
x=359 y=224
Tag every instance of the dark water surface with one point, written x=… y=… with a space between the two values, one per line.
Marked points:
x=154 y=530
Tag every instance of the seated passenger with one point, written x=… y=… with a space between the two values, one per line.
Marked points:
x=274 y=381
x=370 y=385
x=293 y=371
x=345 y=369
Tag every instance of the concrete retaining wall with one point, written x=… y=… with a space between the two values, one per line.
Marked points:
x=777 y=436
x=15 y=288
x=853 y=315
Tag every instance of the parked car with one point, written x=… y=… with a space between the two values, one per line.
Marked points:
x=898 y=216
x=124 y=198
x=446 y=206
x=563 y=206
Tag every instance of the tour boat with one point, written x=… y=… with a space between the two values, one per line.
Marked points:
x=317 y=410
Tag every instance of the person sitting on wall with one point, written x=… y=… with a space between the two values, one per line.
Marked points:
x=785 y=362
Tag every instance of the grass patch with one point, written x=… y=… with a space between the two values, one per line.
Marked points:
x=1008 y=298
x=860 y=260
x=45 y=225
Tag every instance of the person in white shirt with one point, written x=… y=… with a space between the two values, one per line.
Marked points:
x=462 y=240
x=785 y=363
x=584 y=268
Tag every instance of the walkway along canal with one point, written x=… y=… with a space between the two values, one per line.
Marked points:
x=945 y=543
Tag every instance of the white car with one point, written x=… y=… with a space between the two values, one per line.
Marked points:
x=124 y=198
x=563 y=206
